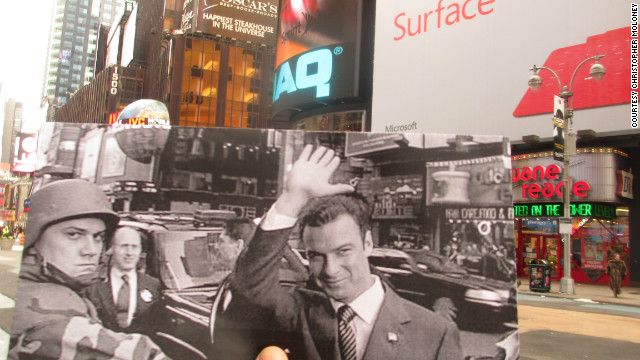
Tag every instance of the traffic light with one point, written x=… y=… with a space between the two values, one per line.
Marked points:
x=27 y=205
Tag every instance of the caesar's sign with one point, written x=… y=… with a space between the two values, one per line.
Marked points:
x=247 y=20
x=316 y=75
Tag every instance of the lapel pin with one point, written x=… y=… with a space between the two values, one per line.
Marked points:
x=146 y=295
x=392 y=337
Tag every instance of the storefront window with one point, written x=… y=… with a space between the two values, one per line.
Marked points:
x=339 y=121
x=539 y=241
x=595 y=241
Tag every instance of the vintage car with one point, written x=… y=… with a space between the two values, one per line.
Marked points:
x=476 y=303
x=179 y=250
x=182 y=256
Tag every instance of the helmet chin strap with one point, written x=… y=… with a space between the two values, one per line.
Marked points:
x=75 y=283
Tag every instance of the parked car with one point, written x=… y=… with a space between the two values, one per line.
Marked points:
x=474 y=302
x=179 y=251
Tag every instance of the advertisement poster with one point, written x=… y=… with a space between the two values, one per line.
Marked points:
x=455 y=64
x=316 y=52
x=558 y=128
x=25 y=156
x=594 y=253
x=452 y=274
x=115 y=159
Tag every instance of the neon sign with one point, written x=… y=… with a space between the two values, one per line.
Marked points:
x=590 y=210
x=314 y=69
x=546 y=189
x=114 y=81
x=113 y=119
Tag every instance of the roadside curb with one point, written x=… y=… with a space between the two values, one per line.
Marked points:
x=630 y=295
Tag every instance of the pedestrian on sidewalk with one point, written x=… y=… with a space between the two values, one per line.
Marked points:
x=617 y=271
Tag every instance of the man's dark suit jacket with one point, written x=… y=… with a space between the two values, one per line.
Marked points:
x=307 y=322
x=145 y=315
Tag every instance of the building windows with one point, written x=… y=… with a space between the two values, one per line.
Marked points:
x=242 y=99
x=200 y=83
x=203 y=76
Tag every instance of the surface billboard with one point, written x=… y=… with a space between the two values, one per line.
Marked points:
x=449 y=64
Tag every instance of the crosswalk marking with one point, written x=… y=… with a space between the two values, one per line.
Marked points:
x=4 y=344
x=6 y=303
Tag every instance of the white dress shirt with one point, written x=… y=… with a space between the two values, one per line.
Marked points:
x=116 y=284
x=366 y=306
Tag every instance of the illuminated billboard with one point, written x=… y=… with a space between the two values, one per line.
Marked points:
x=253 y=21
x=113 y=45
x=129 y=37
x=316 y=52
x=25 y=156
x=449 y=64
x=142 y=112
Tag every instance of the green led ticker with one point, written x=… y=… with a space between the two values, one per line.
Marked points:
x=594 y=210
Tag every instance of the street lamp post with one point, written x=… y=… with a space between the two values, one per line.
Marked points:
x=597 y=71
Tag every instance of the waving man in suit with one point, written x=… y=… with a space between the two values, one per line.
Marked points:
x=345 y=312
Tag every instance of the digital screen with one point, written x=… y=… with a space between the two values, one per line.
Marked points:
x=592 y=210
x=315 y=52
x=25 y=157
x=324 y=73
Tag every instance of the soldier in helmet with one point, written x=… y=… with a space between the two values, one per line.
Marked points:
x=68 y=225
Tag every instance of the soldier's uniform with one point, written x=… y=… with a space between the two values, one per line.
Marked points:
x=52 y=319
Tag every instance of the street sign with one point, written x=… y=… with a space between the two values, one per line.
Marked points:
x=565 y=226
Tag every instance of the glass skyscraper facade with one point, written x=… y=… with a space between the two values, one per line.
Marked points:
x=72 y=45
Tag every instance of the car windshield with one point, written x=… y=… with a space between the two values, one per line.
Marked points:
x=432 y=262
x=187 y=259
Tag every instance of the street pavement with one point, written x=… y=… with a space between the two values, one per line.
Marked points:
x=590 y=324
x=599 y=293
x=9 y=269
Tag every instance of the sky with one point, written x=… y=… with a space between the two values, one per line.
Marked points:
x=24 y=29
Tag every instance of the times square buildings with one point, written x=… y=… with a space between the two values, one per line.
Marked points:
x=184 y=55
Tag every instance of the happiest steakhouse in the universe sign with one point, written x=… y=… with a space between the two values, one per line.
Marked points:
x=248 y=20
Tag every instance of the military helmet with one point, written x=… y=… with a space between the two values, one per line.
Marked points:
x=63 y=200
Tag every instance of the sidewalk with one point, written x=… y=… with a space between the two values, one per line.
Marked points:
x=601 y=293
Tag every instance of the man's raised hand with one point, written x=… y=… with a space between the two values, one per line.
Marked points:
x=308 y=179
